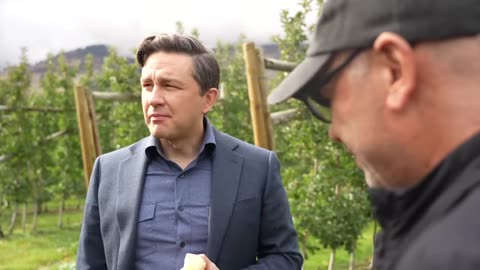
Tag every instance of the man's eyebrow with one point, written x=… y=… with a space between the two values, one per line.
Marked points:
x=169 y=79
x=161 y=79
x=145 y=78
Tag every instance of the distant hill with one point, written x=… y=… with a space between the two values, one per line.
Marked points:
x=271 y=50
x=99 y=52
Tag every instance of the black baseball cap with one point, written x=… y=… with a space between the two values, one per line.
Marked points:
x=353 y=24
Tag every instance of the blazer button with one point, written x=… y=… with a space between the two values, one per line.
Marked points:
x=180 y=208
x=182 y=244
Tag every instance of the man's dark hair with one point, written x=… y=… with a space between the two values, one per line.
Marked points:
x=206 y=70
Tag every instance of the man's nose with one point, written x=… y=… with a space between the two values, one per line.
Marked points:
x=157 y=96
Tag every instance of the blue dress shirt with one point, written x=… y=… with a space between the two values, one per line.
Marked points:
x=174 y=211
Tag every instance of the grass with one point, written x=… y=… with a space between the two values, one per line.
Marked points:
x=320 y=259
x=53 y=248
x=49 y=247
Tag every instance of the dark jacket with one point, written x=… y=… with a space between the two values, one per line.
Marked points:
x=250 y=223
x=435 y=225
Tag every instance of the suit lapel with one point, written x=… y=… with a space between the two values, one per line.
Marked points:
x=227 y=166
x=130 y=179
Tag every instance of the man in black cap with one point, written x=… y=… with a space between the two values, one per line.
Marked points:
x=399 y=81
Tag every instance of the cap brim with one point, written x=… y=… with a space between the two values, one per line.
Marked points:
x=299 y=78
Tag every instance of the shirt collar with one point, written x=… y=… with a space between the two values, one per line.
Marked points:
x=153 y=148
x=209 y=143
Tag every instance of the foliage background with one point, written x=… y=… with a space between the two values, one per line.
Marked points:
x=326 y=190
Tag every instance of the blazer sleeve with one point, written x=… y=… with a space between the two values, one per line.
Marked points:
x=278 y=246
x=91 y=254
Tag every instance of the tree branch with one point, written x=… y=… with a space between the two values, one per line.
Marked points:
x=279 y=65
x=5 y=108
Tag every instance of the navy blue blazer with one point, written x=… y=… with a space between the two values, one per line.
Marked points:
x=250 y=225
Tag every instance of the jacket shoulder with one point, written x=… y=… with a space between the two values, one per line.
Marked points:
x=125 y=152
x=240 y=146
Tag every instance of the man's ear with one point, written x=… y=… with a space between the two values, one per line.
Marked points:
x=398 y=57
x=210 y=97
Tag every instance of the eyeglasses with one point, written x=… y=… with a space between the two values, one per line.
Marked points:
x=317 y=103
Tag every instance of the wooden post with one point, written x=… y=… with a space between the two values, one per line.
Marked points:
x=87 y=128
x=331 y=262
x=261 y=121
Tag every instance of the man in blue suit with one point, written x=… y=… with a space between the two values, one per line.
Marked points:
x=187 y=188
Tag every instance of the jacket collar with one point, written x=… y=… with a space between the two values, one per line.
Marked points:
x=130 y=179
x=226 y=171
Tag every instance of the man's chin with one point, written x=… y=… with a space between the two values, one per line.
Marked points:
x=372 y=181
x=159 y=134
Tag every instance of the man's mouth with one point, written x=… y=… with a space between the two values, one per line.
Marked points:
x=157 y=117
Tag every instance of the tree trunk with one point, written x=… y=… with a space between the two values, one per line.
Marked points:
x=36 y=210
x=24 y=217
x=13 y=220
x=39 y=206
x=373 y=243
x=303 y=246
x=351 y=265
x=331 y=263
x=60 y=212
x=1 y=231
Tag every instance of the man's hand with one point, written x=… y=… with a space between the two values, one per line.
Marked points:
x=209 y=264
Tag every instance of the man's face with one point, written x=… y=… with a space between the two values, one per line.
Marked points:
x=173 y=106
x=357 y=104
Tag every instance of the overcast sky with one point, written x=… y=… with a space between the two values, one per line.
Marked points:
x=48 y=26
